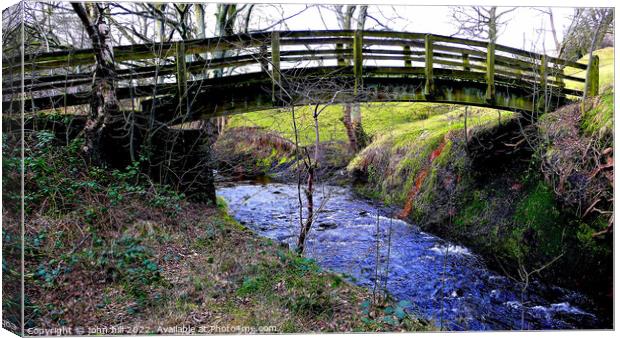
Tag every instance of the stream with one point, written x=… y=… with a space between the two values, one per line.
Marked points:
x=444 y=283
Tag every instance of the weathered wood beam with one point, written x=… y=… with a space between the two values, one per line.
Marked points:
x=429 y=85
x=466 y=62
x=543 y=74
x=407 y=55
x=340 y=55
x=490 y=77
x=133 y=52
x=593 y=77
x=511 y=92
x=358 y=61
x=275 y=68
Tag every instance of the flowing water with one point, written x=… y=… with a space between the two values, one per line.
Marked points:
x=444 y=282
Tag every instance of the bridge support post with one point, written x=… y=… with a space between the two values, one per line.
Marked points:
x=340 y=55
x=543 y=83
x=264 y=58
x=429 y=85
x=275 y=68
x=466 y=62
x=490 y=76
x=181 y=77
x=407 y=57
x=357 y=60
x=593 y=77
x=543 y=72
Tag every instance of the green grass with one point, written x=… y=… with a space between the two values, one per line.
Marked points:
x=376 y=117
x=599 y=121
x=398 y=153
x=606 y=69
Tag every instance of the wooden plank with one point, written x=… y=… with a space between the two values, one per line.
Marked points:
x=315 y=33
x=429 y=86
x=340 y=55
x=407 y=54
x=145 y=51
x=243 y=60
x=593 y=77
x=466 y=62
x=316 y=41
x=490 y=76
x=261 y=79
x=275 y=67
x=461 y=41
x=459 y=50
x=532 y=55
x=358 y=60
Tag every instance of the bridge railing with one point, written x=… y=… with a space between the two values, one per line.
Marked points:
x=63 y=78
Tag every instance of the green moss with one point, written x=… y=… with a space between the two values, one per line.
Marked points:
x=538 y=208
x=539 y=224
x=587 y=241
x=472 y=211
x=397 y=155
x=599 y=121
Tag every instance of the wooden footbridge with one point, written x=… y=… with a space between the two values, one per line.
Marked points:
x=202 y=78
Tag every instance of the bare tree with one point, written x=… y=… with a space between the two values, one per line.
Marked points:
x=549 y=12
x=104 y=103
x=351 y=114
x=480 y=22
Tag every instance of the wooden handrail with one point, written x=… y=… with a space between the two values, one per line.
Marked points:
x=433 y=51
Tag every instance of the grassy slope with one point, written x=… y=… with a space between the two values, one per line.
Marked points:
x=376 y=117
x=606 y=69
x=600 y=119
x=106 y=248
x=399 y=157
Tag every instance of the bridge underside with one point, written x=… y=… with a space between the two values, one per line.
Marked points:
x=238 y=94
x=253 y=92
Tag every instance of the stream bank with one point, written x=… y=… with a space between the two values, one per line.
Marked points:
x=485 y=189
x=440 y=281
x=109 y=248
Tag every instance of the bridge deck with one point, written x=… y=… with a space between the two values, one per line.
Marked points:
x=237 y=73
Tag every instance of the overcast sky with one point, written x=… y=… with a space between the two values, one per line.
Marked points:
x=527 y=28
x=522 y=30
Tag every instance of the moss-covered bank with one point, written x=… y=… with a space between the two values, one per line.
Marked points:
x=516 y=194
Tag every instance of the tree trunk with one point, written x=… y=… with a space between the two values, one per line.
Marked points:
x=351 y=113
x=226 y=16
x=493 y=25
x=356 y=112
x=346 y=120
x=104 y=104
x=558 y=46
x=309 y=191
